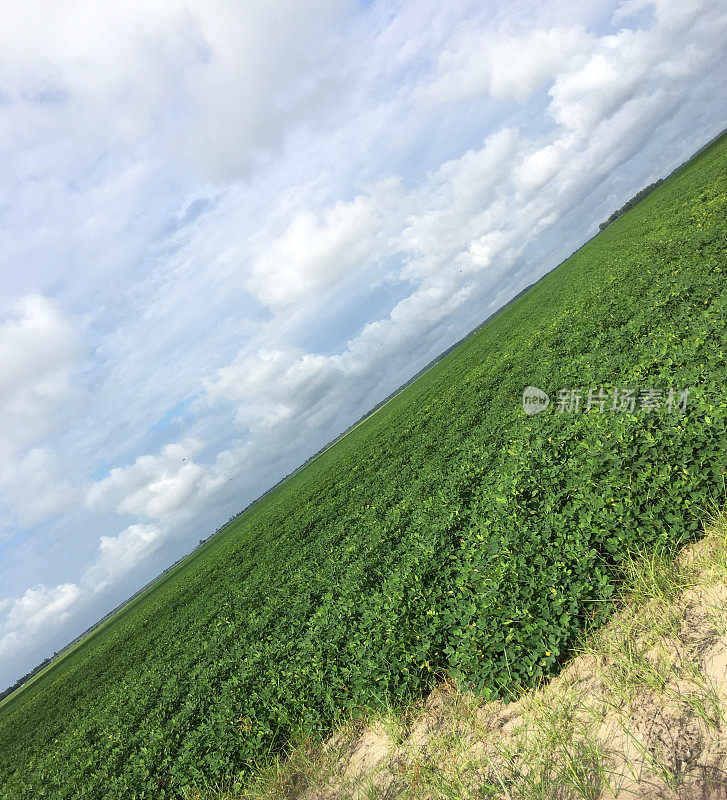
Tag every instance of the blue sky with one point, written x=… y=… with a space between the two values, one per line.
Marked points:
x=228 y=229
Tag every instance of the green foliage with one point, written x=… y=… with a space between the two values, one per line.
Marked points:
x=449 y=533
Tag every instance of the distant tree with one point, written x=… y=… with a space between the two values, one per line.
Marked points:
x=25 y=678
x=629 y=204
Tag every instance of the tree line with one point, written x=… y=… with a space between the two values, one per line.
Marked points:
x=637 y=198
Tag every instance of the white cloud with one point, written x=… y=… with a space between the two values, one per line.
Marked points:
x=153 y=486
x=273 y=386
x=293 y=395
x=612 y=74
x=317 y=250
x=671 y=15
x=39 y=606
x=503 y=65
x=269 y=70
x=461 y=202
x=36 y=612
x=35 y=486
x=246 y=75
x=119 y=555
x=39 y=349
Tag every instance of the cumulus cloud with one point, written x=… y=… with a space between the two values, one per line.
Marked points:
x=317 y=250
x=38 y=606
x=462 y=201
x=118 y=555
x=153 y=486
x=294 y=394
x=273 y=386
x=37 y=610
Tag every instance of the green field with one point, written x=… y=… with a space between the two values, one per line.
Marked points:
x=448 y=533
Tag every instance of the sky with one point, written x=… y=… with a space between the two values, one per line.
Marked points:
x=227 y=229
